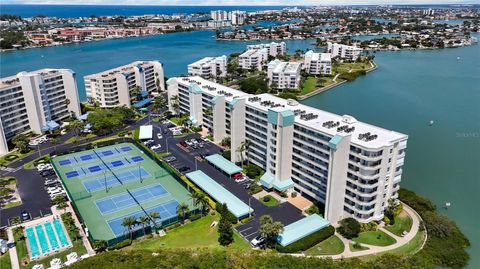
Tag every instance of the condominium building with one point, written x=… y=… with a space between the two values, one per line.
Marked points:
x=343 y=51
x=318 y=63
x=273 y=48
x=209 y=67
x=253 y=58
x=284 y=75
x=124 y=85
x=219 y=15
x=352 y=167
x=36 y=101
x=238 y=17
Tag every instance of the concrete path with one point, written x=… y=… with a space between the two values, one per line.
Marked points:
x=347 y=253
x=12 y=250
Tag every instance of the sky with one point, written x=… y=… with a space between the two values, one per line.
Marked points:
x=240 y=2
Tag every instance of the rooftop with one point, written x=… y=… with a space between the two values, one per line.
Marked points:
x=219 y=193
x=223 y=164
x=301 y=228
x=121 y=69
x=284 y=67
x=13 y=80
x=207 y=60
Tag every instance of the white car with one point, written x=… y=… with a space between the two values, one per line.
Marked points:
x=159 y=135
x=205 y=139
x=177 y=132
x=189 y=142
x=257 y=241
x=33 y=143
x=44 y=167
x=155 y=147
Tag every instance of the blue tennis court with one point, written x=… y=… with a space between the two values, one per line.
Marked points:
x=71 y=174
x=167 y=210
x=87 y=157
x=137 y=159
x=116 y=163
x=107 y=153
x=98 y=183
x=64 y=162
x=125 y=149
x=94 y=168
x=124 y=200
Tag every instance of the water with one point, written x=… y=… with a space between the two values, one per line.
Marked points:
x=409 y=89
x=370 y=37
x=51 y=236
x=175 y=51
x=42 y=239
x=32 y=242
x=61 y=233
x=74 y=11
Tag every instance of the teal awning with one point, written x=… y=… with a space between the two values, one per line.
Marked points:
x=142 y=103
x=302 y=228
x=50 y=126
x=219 y=193
x=223 y=164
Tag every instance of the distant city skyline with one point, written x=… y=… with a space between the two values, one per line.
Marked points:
x=238 y=2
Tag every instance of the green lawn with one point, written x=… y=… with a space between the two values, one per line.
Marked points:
x=403 y=222
x=12 y=204
x=355 y=248
x=197 y=234
x=271 y=202
x=7 y=159
x=375 y=238
x=308 y=85
x=179 y=120
x=77 y=247
x=412 y=246
x=21 y=246
x=346 y=67
x=331 y=246
x=5 y=261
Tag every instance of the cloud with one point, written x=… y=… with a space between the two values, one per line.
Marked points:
x=238 y=2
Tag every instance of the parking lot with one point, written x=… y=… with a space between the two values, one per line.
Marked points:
x=191 y=157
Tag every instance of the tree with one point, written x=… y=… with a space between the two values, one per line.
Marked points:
x=144 y=221
x=225 y=230
x=128 y=223
x=269 y=229
x=246 y=145
x=155 y=216
x=21 y=143
x=226 y=142
x=199 y=199
x=241 y=150
x=175 y=102
x=76 y=126
x=60 y=202
x=182 y=210
x=349 y=228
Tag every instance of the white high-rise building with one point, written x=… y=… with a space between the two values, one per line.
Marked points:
x=238 y=17
x=285 y=75
x=36 y=101
x=209 y=67
x=343 y=51
x=352 y=167
x=122 y=85
x=318 y=63
x=273 y=48
x=253 y=58
x=219 y=15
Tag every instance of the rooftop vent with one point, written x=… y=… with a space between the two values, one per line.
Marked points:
x=331 y=124
x=367 y=137
x=309 y=116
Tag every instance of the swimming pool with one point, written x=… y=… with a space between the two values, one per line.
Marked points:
x=61 y=233
x=32 y=242
x=46 y=238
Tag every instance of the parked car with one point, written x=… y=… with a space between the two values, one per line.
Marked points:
x=258 y=241
x=204 y=139
x=170 y=159
x=25 y=215
x=237 y=176
x=47 y=173
x=63 y=132
x=156 y=147
x=183 y=144
x=189 y=142
x=159 y=135
x=183 y=169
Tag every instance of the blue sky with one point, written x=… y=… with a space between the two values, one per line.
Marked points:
x=239 y=2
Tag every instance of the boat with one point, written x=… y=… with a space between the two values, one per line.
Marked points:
x=431 y=122
x=458 y=58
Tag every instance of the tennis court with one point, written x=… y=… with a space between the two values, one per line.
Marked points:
x=110 y=183
x=123 y=200
x=167 y=211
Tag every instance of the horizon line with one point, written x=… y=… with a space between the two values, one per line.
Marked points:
x=226 y=5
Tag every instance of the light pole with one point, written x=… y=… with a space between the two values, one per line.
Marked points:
x=39 y=152
x=105 y=180
x=166 y=143
x=139 y=173
x=249 y=208
x=196 y=165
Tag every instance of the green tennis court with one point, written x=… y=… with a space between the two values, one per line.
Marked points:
x=110 y=183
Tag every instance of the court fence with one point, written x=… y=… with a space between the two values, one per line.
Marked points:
x=166 y=170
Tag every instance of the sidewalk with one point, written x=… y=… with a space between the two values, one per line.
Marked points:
x=13 y=250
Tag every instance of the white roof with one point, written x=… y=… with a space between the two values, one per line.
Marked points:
x=146 y=132
x=208 y=60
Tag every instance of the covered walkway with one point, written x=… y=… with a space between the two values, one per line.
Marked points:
x=302 y=228
x=223 y=164
x=220 y=194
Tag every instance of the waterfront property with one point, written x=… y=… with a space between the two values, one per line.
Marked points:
x=36 y=101
x=126 y=85
x=110 y=183
x=284 y=75
x=209 y=67
x=253 y=59
x=274 y=48
x=318 y=63
x=350 y=166
x=46 y=238
x=343 y=51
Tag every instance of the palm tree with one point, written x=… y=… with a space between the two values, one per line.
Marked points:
x=241 y=150
x=182 y=210
x=128 y=223
x=155 y=215
x=144 y=221
x=203 y=202
x=21 y=143
x=175 y=103
x=194 y=197
x=76 y=126
x=246 y=145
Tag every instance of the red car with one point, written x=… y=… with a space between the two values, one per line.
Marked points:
x=237 y=176
x=183 y=144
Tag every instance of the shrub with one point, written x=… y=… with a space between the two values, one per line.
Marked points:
x=120 y=245
x=308 y=241
x=227 y=154
x=313 y=209
x=122 y=133
x=349 y=228
x=195 y=217
x=267 y=198
x=369 y=227
x=284 y=194
x=228 y=215
x=253 y=171
x=294 y=194
x=247 y=219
